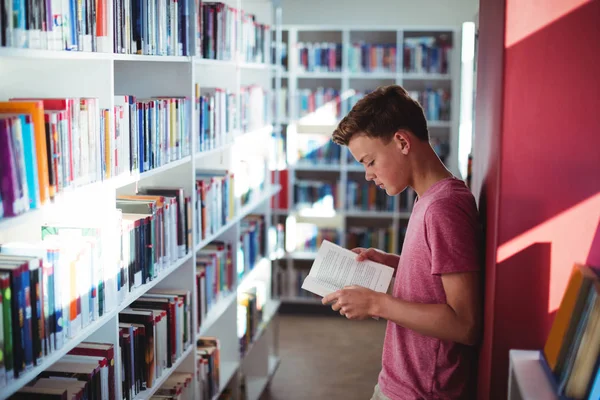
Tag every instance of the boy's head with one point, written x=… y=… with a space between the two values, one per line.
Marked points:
x=381 y=131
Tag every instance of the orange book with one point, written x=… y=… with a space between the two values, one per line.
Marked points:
x=562 y=331
x=36 y=110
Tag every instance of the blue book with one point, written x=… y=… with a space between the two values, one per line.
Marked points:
x=31 y=169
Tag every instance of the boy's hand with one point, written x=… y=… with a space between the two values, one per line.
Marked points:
x=376 y=255
x=353 y=302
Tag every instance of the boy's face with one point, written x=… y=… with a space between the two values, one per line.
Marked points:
x=385 y=164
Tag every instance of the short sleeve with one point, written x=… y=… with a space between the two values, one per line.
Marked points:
x=453 y=235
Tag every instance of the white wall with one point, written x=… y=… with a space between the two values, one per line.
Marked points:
x=379 y=12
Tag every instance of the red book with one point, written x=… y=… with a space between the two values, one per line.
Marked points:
x=105 y=350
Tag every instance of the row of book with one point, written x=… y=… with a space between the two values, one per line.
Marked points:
x=309 y=236
x=322 y=101
x=154 y=332
x=315 y=151
x=282 y=47
x=369 y=57
x=178 y=386
x=208 y=349
x=249 y=316
x=55 y=25
x=215 y=274
x=435 y=102
x=365 y=196
x=319 y=57
x=217 y=117
x=49 y=145
x=83 y=269
x=366 y=237
x=427 y=54
x=160 y=28
x=85 y=372
x=572 y=347
x=217 y=204
x=227 y=31
x=316 y=195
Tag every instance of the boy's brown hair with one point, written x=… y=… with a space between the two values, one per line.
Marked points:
x=380 y=114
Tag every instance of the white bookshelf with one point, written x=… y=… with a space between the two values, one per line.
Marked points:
x=295 y=78
x=528 y=377
x=44 y=73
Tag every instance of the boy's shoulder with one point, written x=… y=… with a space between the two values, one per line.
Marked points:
x=450 y=198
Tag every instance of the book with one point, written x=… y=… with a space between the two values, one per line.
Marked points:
x=335 y=268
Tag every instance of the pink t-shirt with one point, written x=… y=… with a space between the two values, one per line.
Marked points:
x=442 y=237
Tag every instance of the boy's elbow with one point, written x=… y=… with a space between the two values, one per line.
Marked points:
x=472 y=334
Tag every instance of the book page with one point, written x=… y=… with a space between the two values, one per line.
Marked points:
x=336 y=267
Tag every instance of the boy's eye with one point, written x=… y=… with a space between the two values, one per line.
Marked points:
x=371 y=163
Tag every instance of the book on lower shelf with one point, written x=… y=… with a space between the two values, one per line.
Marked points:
x=570 y=358
x=209 y=365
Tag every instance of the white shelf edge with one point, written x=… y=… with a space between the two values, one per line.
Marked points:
x=414 y=76
x=369 y=214
x=85 y=55
x=6 y=52
x=146 y=394
x=247 y=209
x=70 y=344
x=201 y=154
x=112 y=183
x=255 y=385
x=150 y=58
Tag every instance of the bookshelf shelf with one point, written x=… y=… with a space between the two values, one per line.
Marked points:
x=202 y=154
x=329 y=68
x=225 y=301
x=408 y=76
x=148 y=393
x=37 y=54
x=121 y=86
x=247 y=209
x=528 y=377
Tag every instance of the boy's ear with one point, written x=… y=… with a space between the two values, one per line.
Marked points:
x=402 y=140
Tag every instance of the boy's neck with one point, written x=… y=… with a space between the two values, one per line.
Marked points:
x=428 y=170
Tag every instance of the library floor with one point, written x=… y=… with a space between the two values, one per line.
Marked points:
x=326 y=358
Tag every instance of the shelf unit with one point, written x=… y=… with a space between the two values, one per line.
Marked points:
x=321 y=123
x=45 y=73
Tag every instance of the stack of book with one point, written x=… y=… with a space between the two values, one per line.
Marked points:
x=208 y=349
x=86 y=372
x=217 y=206
x=309 y=236
x=427 y=54
x=369 y=57
x=324 y=101
x=55 y=25
x=154 y=332
x=250 y=315
x=151 y=28
x=214 y=276
x=222 y=36
x=178 y=386
x=379 y=238
x=365 y=196
x=251 y=247
x=318 y=151
x=572 y=348
x=320 y=57
x=435 y=102
x=316 y=195
x=217 y=114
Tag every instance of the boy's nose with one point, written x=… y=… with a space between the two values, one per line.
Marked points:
x=369 y=176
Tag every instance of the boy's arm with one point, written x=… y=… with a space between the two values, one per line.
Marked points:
x=458 y=320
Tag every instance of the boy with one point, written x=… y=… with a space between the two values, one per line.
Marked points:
x=434 y=313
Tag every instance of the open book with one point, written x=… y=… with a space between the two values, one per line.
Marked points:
x=336 y=267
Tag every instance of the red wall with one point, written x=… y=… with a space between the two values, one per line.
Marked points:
x=536 y=168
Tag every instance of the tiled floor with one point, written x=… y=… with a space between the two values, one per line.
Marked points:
x=325 y=358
